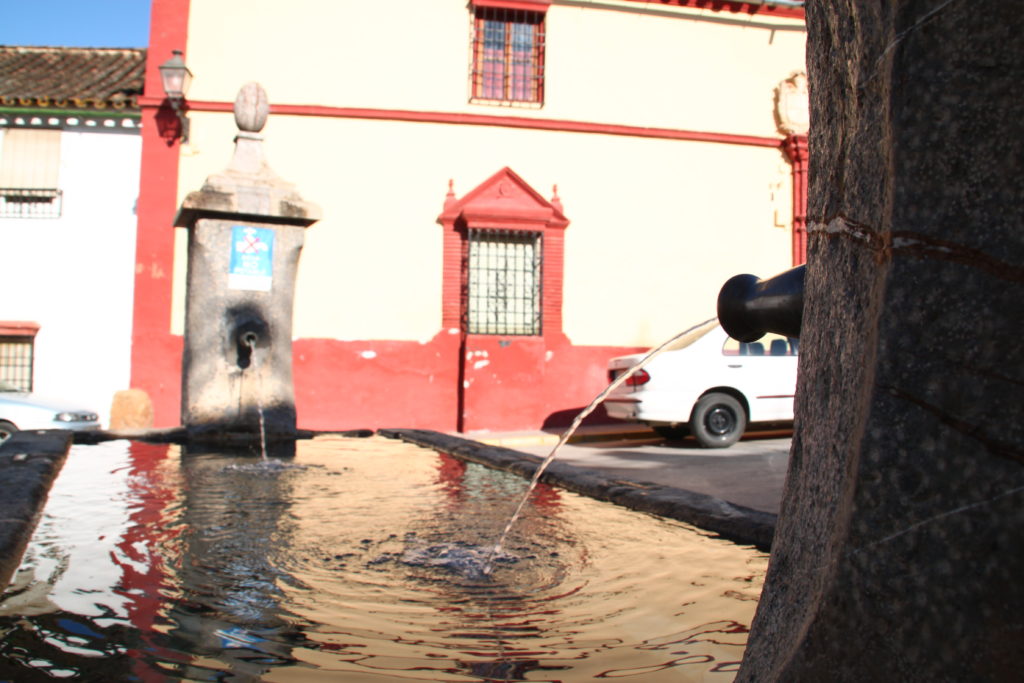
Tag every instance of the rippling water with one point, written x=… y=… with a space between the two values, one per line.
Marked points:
x=360 y=560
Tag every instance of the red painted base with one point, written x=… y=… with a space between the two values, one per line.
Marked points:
x=510 y=383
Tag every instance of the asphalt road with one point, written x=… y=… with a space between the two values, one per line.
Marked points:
x=750 y=473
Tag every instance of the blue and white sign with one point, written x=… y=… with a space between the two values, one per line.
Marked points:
x=252 y=258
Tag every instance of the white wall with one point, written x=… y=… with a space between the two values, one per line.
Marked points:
x=75 y=275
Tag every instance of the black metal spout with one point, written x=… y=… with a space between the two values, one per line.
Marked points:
x=748 y=308
x=250 y=332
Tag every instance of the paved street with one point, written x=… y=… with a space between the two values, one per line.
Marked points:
x=751 y=473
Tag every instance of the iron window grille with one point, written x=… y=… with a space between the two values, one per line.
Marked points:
x=508 y=56
x=504 y=282
x=16 y=362
x=30 y=203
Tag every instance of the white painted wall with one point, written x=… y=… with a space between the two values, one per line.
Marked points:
x=75 y=275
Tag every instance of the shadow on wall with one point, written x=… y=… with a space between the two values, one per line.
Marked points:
x=563 y=418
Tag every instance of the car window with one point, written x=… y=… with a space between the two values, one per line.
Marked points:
x=770 y=344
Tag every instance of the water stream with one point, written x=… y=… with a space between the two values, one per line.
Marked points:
x=250 y=341
x=263 y=432
x=679 y=341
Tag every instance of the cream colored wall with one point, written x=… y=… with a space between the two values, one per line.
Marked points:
x=656 y=233
x=656 y=225
x=368 y=270
x=689 y=69
x=613 y=62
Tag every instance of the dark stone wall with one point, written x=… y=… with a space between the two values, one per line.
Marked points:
x=900 y=545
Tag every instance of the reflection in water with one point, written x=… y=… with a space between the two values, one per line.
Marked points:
x=360 y=560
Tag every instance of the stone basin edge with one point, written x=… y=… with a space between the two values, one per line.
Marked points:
x=29 y=464
x=728 y=520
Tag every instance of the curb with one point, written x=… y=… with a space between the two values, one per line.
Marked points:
x=29 y=462
x=584 y=435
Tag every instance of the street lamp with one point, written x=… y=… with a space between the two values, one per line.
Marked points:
x=176 y=79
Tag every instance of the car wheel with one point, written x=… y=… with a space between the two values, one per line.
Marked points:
x=718 y=421
x=6 y=429
x=671 y=433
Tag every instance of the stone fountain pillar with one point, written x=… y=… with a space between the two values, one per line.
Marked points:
x=899 y=549
x=246 y=229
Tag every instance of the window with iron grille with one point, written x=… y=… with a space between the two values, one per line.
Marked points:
x=504 y=276
x=16 y=361
x=30 y=203
x=508 y=56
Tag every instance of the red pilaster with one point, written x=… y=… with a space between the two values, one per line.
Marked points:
x=795 y=147
x=156 y=353
x=553 y=280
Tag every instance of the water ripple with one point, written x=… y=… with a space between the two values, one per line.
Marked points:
x=360 y=559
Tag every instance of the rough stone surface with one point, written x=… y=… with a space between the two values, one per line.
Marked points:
x=29 y=462
x=900 y=543
x=219 y=392
x=731 y=521
x=131 y=409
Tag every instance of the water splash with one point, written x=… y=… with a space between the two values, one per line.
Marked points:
x=265 y=467
x=463 y=559
x=680 y=341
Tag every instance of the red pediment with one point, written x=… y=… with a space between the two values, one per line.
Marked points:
x=503 y=201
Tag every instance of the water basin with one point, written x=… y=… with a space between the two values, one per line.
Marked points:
x=360 y=560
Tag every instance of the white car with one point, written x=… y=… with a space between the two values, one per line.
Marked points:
x=714 y=388
x=21 y=410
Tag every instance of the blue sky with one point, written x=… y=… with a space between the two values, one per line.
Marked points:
x=75 y=23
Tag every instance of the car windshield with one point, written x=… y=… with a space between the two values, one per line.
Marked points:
x=7 y=386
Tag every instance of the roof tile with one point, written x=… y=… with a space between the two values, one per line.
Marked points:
x=71 y=76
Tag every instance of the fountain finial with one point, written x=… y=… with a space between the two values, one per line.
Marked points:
x=251 y=108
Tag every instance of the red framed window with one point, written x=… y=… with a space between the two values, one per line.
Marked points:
x=504 y=252
x=17 y=346
x=508 y=55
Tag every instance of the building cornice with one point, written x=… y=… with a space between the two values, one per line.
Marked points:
x=783 y=8
x=69 y=119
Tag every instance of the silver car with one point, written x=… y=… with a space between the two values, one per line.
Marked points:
x=21 y=410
